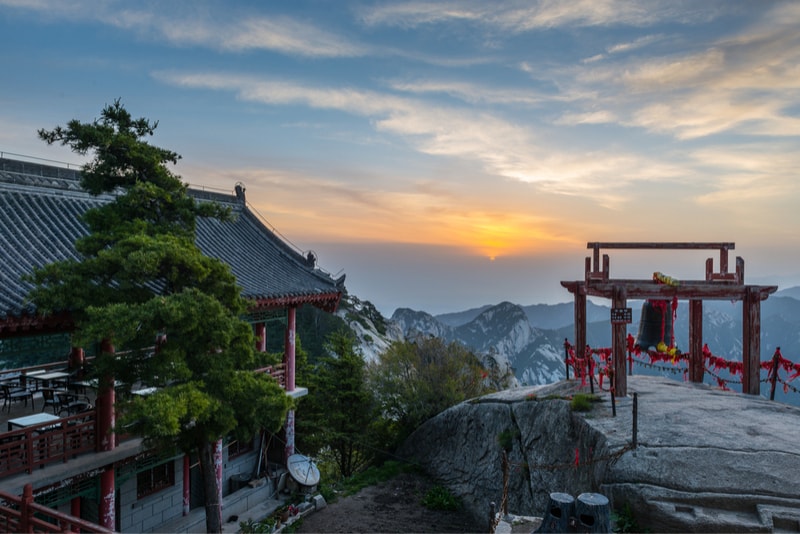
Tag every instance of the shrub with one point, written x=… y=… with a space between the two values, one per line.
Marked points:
x=265 y=526
x=506 y=438
x=440 y=498
x=582 y=402
x=624 y=521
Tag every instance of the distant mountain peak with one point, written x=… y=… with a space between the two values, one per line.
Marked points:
x=530 y=339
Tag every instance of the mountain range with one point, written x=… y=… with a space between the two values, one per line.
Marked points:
x=529 y=340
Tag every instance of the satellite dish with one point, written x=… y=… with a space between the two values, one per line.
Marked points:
x=302 y=470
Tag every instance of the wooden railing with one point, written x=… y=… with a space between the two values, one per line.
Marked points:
x=55 y=441
x=22 y=514
x=277 y=371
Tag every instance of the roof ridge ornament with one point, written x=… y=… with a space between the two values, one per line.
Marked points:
x=240 y=192
x=311 y=259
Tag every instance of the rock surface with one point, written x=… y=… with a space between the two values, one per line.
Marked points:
x=707 y=460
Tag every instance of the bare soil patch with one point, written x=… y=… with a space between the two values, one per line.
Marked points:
x=388 y=507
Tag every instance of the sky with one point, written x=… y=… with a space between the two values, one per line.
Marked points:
x=447 y=155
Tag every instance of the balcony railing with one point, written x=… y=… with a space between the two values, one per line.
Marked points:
x=54 y=441
x=276 y=371
x=22 y=514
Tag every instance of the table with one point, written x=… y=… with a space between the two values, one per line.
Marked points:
x=31 y=420
x=94 y=384
x=44 y=378
x=23 y=378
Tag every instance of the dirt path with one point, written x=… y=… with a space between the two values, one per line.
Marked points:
x=392 y=506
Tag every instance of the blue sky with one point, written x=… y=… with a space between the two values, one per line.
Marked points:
x=446 y=155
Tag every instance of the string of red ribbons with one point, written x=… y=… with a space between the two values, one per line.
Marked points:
x=588 y=366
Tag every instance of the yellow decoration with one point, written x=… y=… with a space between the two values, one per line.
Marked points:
x=664 y=349
x=664 y=279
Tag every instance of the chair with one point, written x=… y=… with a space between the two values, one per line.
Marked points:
x=17 y=394
x=73 y=382
x=52 y=398
x=76 y=407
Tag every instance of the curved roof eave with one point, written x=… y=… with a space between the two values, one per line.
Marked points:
x=40 y=219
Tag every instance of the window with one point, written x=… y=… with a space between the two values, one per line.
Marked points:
x=238 y=447
x=155 y=479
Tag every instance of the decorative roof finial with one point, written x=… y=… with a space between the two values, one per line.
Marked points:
x=240 y=192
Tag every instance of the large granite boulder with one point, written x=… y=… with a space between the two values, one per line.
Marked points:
x=706 y=460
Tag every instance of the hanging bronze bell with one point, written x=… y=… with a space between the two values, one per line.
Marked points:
x=655 y=325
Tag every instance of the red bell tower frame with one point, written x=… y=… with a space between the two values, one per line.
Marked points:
x=721 y=285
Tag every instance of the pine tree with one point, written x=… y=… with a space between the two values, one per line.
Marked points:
x=140 y=277
x=340 y=409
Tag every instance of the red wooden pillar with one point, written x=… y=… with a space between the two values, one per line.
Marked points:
x=580 y=321
x=106 y=397
x=751 y=340
x=697 y=361
x=105 y=440
x=76 y=358
x=619 y=344
x=106 y=510
x=75 y=510
x=218 y=473
x=25 y=512
x=261 y=337
x=187 y=485
x=289 y=347
x=289 y=364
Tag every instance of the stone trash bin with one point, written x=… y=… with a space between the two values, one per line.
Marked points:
x=560 y=511
x=593 y=513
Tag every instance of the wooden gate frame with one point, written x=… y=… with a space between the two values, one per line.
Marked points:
x=720 y=285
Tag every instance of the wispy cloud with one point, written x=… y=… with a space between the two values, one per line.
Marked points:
x=190 y=24
x=590 y=117
x=280 y=34
x=745 y=83
x=501 y=147
x=682 y=72
x=633 y=45
x=477 y=94
x=518 y=17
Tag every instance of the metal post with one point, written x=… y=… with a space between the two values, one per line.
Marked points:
x=635 y=432
x=774 y=378
x=613 y=403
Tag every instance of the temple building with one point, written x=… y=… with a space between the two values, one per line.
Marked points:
x=51 y=446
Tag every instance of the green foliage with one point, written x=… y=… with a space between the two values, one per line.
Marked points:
x=440 y=498
x=506 y=438
x=314 y=327
x=264 y=359
x=417 y=380
x=582 y=402
x=623 y=520
x=369 y=310
x=140 y=278
x=364 y=312
x=340 y=409
x=368 y=477
x=264 y=526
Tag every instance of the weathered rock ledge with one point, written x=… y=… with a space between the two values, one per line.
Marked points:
x=706 y=461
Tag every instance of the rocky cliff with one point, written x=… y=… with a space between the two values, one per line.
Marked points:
x=706 y=460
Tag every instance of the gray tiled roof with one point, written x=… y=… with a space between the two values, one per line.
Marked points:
x=40 y=208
